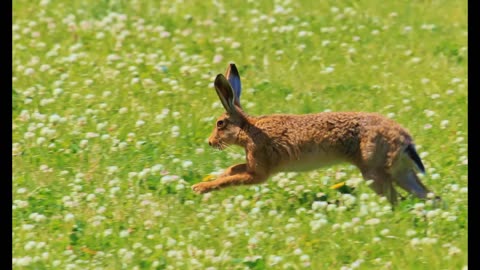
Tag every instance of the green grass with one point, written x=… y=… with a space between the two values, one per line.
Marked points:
x=113 y=102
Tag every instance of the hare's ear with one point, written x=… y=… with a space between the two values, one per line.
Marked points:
x=233 y=78
x=226 y=94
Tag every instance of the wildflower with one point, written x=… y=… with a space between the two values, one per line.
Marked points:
x=29 y=245
x=139 y=123
x=373 y=221
x=29 y=71
x=69 y=217
x=217 y=58
x=187 y=163
x=83 y=143
x=338 y=185
x=124 y=233
x=454 y=251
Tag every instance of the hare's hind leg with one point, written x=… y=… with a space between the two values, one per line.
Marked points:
x=233 y=176
x=409 y=181
x=382 y=184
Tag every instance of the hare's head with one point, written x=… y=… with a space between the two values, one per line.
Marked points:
x=229 y=125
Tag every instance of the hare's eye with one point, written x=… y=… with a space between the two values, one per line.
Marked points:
x=220 y=123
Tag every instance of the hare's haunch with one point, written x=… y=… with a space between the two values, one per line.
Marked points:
x=378 y=146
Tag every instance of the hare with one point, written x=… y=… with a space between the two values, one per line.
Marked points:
x=382 y=150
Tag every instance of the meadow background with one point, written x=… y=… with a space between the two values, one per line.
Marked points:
x=113 y=102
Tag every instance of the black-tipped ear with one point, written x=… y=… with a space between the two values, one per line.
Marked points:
x=226 y=94
x=233 y=78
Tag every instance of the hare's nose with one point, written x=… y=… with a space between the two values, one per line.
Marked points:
x=210 y=143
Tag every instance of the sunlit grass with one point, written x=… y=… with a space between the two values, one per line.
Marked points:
x=113 y=102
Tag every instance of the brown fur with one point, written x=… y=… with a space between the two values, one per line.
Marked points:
x=283 y=142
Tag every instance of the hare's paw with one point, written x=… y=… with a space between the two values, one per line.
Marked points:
x=203 y=187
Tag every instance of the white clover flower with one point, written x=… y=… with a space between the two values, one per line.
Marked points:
x=101 y=209
x=453 y=250
x=423 y=154
x=167 y=179
x=327 y=70
x=69 y=217
x=148 y=83
x=273 y=260
x=356 y=263
x=107 y=232
x=456 y=80
x=444 y=123
x=452 y=218
x=122 y=145
x=29 y=71
x=429 y=241
x=245 y=203
x=57 y=91
x=83 y=143
x=450 y=92
x=298 y=251
x=24 y=261
x=37 y=217
x=346 y=225
x=304 y=257
x=255 y=211
x=40 y=245
x=235 y=45
x=429 y=113
x=384 y=231
x=187 y=163
x=334 y=9
x=90 y=135
x=139 y=123
x=425 y=80
x=90 y=197
x=29 y=245
x=124 y=233
x=28 y=135
x=179 y=187
x=253 y=241
x=416 y=60
x=373 y=221
x=27 y=227
x=157 y=168
x=176 y=115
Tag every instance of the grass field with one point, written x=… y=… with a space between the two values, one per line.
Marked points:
x=113 y=102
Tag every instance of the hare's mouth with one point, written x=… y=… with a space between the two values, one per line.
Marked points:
x=220 y=145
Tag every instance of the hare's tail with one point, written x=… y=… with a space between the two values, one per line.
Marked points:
x=412 y=153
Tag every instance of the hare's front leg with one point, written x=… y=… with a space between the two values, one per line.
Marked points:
x=233 y=176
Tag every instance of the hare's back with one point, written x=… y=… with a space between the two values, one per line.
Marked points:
x=330 y=126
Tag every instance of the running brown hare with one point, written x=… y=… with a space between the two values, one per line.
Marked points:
x=382 y=150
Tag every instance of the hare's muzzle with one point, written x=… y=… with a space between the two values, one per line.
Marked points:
x=212 y=142
x=215 y=143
